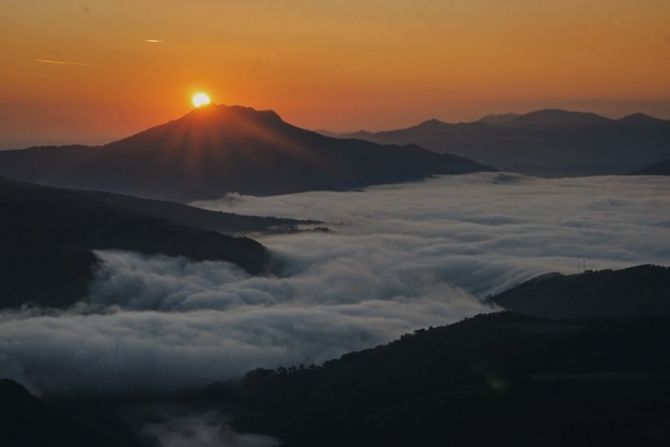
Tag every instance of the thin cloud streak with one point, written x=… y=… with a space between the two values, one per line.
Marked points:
x=50 y=61
x=55 y=62
x=154 y=41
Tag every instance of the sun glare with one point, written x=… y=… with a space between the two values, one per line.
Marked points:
x=201 y=99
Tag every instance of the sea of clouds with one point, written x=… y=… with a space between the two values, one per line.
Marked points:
x=174 y=427
x=398 y=258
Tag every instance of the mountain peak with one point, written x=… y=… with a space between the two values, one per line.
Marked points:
x=431 y=123
x=640 y=118
x=217 y=149
x=500 y=118
x=222 y=111
x=207 y=127
x=550 y=117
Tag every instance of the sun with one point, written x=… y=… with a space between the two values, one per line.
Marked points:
x=201 y=99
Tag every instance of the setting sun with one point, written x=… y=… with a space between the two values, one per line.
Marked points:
x=201 y=99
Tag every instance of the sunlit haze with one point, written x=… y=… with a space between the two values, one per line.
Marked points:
x=91 y=71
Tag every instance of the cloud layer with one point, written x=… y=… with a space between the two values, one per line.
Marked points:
x=400 y=257
x=200 y=430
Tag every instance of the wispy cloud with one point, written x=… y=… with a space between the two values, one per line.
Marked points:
x=55 y=62
x=50 y=61
x=154 y=41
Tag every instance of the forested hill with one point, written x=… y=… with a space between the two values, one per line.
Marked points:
x=633 y=292
x=48 y=234
x=500 y=379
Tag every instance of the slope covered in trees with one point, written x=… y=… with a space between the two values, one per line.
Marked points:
x=500 y=378
x=633 y=292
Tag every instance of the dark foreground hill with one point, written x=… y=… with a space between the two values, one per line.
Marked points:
x=498 y=379
x=28 y=421
x=180 y=214
x=220 y=149
x=47 y=236
x=640 y=291
x=545 y=142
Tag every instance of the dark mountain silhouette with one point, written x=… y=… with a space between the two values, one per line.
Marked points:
x=190 y=216
x=662 y=168
x=29 y=421
x=546 y=142
x=502 y=379
x=557 y=118
x=633 y=292
x=47 y=236
x=640 y=118
x=501 y=118
x=219 y=149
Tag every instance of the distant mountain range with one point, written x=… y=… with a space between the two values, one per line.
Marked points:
x=642 y=291
x=48 y=234
x=545 y=142
x=220 y=149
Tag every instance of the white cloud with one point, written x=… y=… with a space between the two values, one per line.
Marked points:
x=400 y=257
x=201 y=430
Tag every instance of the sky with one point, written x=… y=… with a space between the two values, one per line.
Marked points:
x=90 y=71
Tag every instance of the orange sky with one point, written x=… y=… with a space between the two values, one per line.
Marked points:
x=340 y=65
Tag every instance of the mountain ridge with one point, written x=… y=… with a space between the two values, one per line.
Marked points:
x=640 y=291
x=548 y=142
x=49 y=235
x=218 y=149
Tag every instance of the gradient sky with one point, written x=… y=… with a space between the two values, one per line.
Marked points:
x=84 y=70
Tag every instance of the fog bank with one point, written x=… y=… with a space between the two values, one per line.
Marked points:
x=398 y=258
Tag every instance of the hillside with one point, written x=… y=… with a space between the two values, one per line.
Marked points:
x=219 y=149
x=48 y=234
x=545 y=142
x=633 y=292
x=28 y=421
x=190 y=216
x=500 y=378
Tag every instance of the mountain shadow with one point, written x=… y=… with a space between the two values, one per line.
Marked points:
x=219 y=149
